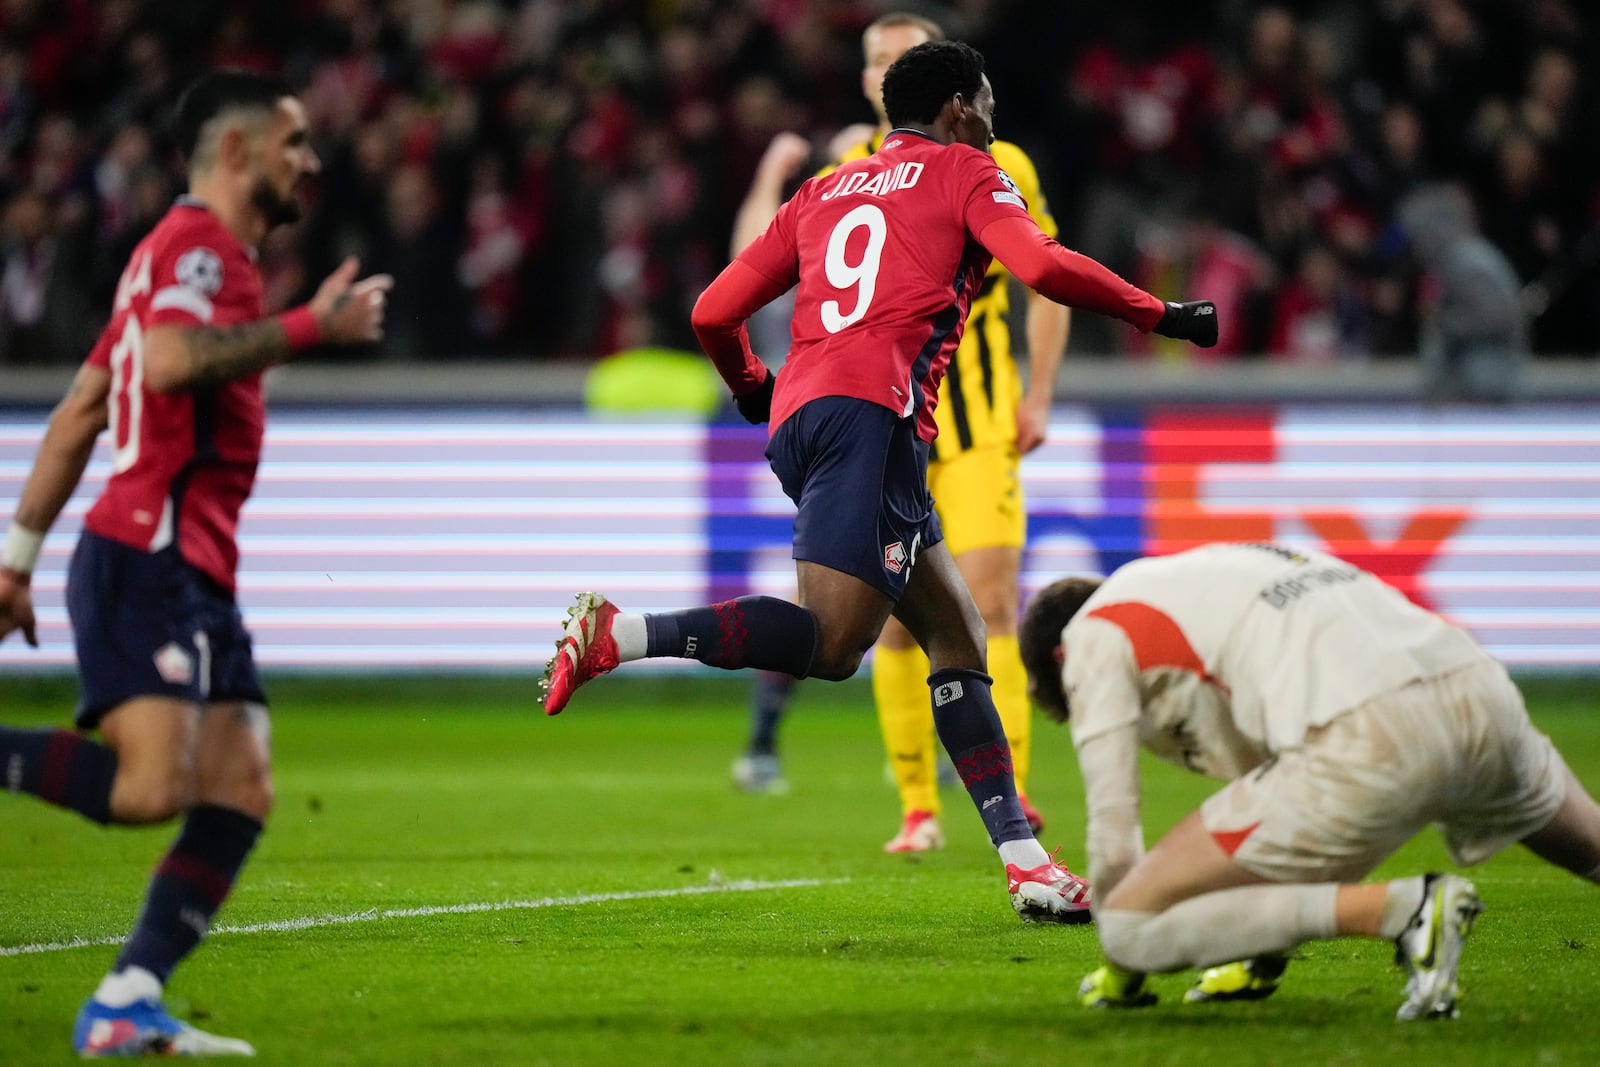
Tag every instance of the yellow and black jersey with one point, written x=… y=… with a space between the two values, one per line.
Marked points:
x=981 y=390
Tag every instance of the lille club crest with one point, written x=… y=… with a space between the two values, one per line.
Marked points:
x=894 y=557
x=174 y=664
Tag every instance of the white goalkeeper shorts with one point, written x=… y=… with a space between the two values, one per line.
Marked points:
x=1457 y=750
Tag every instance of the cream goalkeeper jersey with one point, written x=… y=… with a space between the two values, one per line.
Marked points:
x=1220 y=657
x=1226 y=654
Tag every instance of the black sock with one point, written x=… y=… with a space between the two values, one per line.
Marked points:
x=969 y=728
x=188 y=888
x=753 y=631
x=59 y=767
x=768 y=703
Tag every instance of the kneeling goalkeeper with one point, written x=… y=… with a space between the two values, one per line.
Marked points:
x=1344 y=719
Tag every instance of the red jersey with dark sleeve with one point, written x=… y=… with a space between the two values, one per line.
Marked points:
x=183 y=463
x=886 y=257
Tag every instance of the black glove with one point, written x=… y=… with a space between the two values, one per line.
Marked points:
x=756 y=405
x=1194 y=321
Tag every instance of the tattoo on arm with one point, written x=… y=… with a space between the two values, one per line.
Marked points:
x=222 y=353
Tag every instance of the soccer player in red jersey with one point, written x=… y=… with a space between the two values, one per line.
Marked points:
x=164 y=659
x=886 y=252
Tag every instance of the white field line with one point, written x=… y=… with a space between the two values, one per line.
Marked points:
x=310 y=922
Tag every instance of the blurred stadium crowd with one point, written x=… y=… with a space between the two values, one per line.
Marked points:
x=551 y=178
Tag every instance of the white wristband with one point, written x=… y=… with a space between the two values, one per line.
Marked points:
x=21 y=549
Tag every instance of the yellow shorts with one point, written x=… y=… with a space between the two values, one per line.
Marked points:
x=978 y=495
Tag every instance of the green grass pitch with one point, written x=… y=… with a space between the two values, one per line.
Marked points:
x=398 y=798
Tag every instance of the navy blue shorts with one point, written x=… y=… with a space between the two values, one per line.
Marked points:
x=149 y=624
x=859 y=475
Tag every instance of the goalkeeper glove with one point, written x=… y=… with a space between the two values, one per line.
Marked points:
x=756 y=405
x=1194 y=321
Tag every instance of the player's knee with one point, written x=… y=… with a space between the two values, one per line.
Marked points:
x=247 y=787
x=836 y=665
x=258 y=792
x=839 y=654
x=1571 y=838
x=1130 y=940
x=251 y=793
x=235 y=761
x=152 y=795
x=256 y=797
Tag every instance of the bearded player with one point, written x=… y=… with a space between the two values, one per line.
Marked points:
x=164 y=661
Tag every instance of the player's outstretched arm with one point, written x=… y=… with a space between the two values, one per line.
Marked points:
x=1067 y=277
x=784 y=156
x=343 y=311
x=57 y=469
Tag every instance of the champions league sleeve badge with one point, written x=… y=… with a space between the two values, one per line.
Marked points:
x=200 y=269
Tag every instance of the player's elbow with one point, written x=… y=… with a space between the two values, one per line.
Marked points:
x=712 y=328
x=73 y=433
x=706 y=317
x=165 y=362
x=165 y=376
x=1024 y=269
x=166 y=359
x=1028 y=269
x=83 y=412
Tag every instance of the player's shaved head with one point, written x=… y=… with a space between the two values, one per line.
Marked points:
x=886 y=40
x=214 y=101
x=919 y=83
x=897 y=19
x=1039 y=637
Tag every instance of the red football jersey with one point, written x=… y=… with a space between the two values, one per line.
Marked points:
x=183 y=463
x=885 y=254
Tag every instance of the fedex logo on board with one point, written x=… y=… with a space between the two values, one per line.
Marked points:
x=1161 y=480
x=1166 y=463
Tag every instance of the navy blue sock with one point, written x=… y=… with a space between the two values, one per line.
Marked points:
x=59 y=767
x=969 y=728
x=767 y=705
x=188 y=888
x=753 y=631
